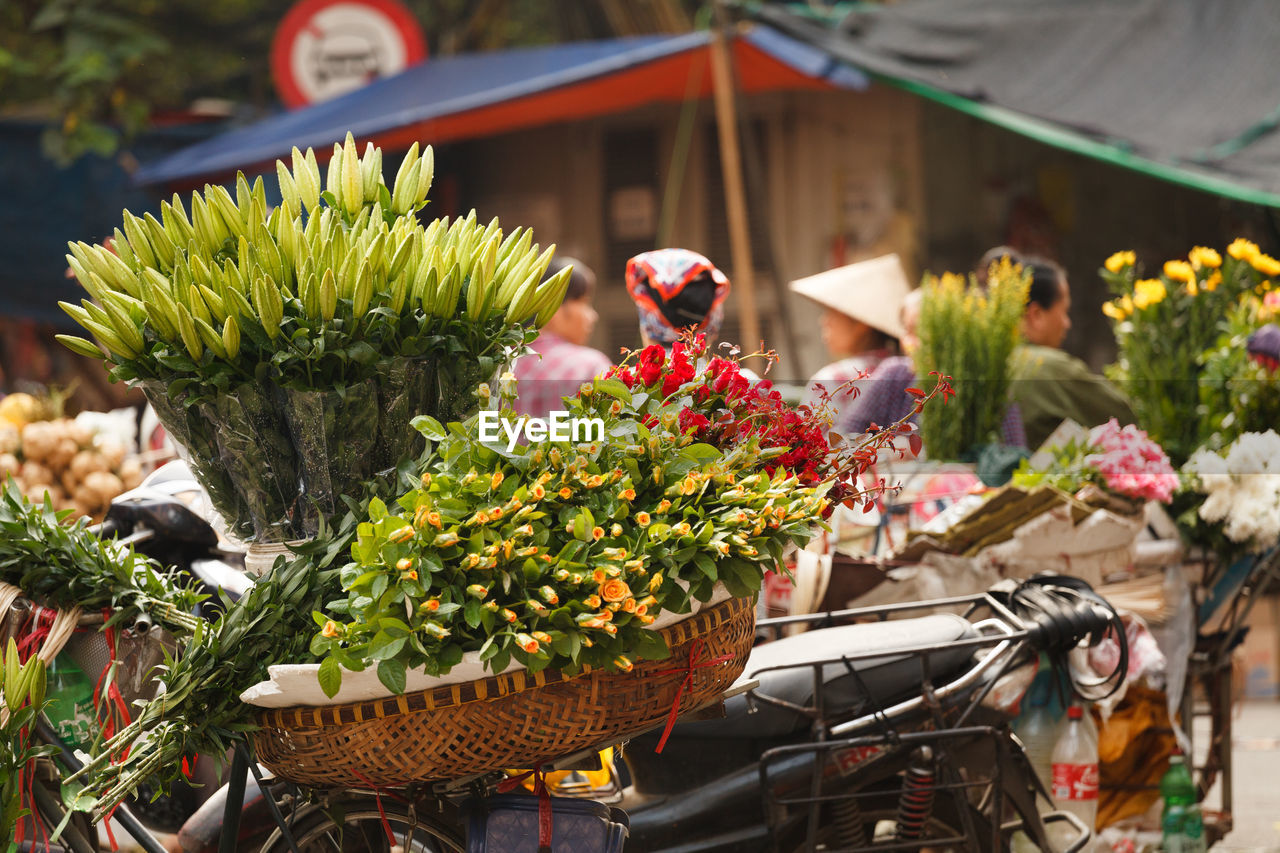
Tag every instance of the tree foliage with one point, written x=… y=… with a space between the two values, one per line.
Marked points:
x=101 y=70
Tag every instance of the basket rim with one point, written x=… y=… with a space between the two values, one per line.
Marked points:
x=486 y=689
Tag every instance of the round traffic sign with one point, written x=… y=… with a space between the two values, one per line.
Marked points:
x=326 y=48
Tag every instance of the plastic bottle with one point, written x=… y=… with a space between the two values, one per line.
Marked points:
x=1181 y=823
x=1075 y=770
x=70 y=710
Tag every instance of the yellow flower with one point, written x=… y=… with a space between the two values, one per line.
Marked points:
x=401 y=534
x=495 y=481
x=1113 y=310
x=1242 y=249
x=1191 y=288
x=1202 y=256
x=1147 y=292
x=330 y=629
x=1119 y=261
x=1179 y=271
x=642 y=519
x=1266 y=264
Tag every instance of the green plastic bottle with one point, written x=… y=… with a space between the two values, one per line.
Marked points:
x=70 y=709
x=1181 y=823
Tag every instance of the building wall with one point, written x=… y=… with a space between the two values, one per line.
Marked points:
x=831 y=177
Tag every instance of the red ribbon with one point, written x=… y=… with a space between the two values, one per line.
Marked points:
x=544 y=804
x=378 y=791
x=695 y=651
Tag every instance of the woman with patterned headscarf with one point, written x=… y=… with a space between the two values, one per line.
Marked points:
x=676 y=291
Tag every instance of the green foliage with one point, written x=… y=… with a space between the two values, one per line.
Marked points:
x=66 y=565
x=1238 y=394
x=969 y=334
x=1164 y=326
x=558 y=553
x=22 y=688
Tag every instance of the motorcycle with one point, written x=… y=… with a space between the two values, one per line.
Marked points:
x=886 y=734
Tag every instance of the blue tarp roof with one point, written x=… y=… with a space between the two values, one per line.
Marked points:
x=456 y=84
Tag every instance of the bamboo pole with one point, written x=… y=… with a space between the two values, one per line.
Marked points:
x=734 y=195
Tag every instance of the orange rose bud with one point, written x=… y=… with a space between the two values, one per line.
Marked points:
x=491 y=606
x=615 y=590
x=420 y=515
x=509 y=615
x=480 y=517
x=401 y=534
x=542 y=637
x=537 y=492
x=592 y=601
x=426 y=480
x=536 y=606
x=495 y=480
x=655 y=582
x=525 y=530
x=610 y=629
x=473 y=560
x=641 y=610
x=648 y=601
x=597 y=533
x=515 y=503
x=688 y=486
x=476 y=590
x=664 y=505
x=507 y=547
x=444 y=540
x=681 y=529
x=409 y=576
x=330 y=629
x=623 y=663
x=431 y=605
x=606 y=615
x=645 y=619
x=549 y=595
x=561 y=575
x=595 y=481
x=566 y=493
x=599 y=576
x=627 y=495
x=495 y=513
x=616 y=530
x=629 y=605
x=642 y=519
x=527 y=552
x=404 y=564
x=433 y=518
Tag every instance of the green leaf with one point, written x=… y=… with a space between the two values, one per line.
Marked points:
x=330 y=676
x=471 y=613
x=383 y=646
x=377 y=510
x=614 y=388
x=705 y=565
x=429 y=427
x=392 y=675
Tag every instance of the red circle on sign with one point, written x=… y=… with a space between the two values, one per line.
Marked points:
x=300 y=19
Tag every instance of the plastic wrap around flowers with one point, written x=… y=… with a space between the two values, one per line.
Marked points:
x=1242 y=488
x=1120 y=459
x=558 y=553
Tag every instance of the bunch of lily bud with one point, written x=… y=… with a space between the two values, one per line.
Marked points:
x=231 y=280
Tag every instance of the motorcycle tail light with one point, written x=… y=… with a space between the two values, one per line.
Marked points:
x=1010 y=688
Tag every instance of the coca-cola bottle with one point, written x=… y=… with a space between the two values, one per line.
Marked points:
x=1075 y=769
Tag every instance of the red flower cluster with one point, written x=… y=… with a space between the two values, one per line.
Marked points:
x=723 y=408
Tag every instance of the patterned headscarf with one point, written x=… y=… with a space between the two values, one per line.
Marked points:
x=674 y=290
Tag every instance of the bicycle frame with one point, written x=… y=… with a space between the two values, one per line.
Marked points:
x=850 y=762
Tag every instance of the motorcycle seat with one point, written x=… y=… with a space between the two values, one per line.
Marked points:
x=872 y=683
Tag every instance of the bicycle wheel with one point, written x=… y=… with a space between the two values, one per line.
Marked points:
x=359 y=827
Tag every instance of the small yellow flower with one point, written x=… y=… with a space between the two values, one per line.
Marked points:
x=495 y=481
x=330 y=629
x=663 y=505
x=529 y=644
x=615 y=590
x=595 y=481
x=642 y=519
x=1211 y=283
x=431 y=605
x=1202 y=256
x=1242 y=249
x=623 y=663
x=1266 y=265
x=597 y=533
x=537 y=492
x=1192 y=288
x=1179 y=271
x=1119 y=261
x=1148 y=292
x=627 y=495
x=681 y=529
x=655 y=582
x=426 y=480
x=566 y=493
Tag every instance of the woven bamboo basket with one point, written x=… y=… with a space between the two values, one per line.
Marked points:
x=513 y=720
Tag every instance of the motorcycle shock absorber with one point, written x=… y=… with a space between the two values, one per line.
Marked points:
x=847 y=824
x=915 y=803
